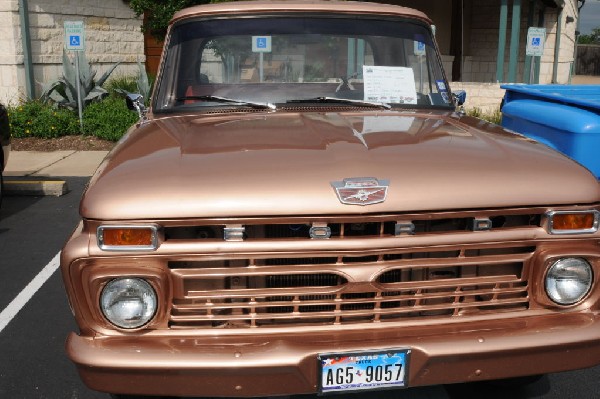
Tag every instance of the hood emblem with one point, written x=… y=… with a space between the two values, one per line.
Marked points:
x=361 y=190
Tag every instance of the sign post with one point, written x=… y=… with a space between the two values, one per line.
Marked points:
x=75 y=41
x=261 y=45
x=419 y=51
x=536 y=39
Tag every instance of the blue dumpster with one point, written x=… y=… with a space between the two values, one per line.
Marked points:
x=566 y=118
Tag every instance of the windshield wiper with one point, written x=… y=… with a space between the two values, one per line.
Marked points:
x=341 y=101
x=218 y=99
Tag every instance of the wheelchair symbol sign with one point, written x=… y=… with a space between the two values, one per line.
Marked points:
x=536 y=38
x=419 y=48
x=74 y=35
x=261 y=44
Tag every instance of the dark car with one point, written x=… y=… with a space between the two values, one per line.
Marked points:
x=5 y=142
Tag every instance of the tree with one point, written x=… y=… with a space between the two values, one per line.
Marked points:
x=159 y=12
x=592 y=38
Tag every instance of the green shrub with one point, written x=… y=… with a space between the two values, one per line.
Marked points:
x=121 y=82
x=140 y=84
x=38 y=119
x=493 y=117
x=108 y=119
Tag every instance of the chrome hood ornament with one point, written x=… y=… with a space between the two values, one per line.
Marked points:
x=361 y=190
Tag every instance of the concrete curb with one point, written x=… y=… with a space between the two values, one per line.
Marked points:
x=44 y=165
x=31 y=172
x=35 y=187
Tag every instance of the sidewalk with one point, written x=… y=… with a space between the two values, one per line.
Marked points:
x=39 y=173
x=585 y=80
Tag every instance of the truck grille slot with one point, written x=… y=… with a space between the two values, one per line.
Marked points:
x=321 y=291
x=303 y=280
x=349 y=228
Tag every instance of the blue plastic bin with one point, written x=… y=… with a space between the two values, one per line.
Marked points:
x=564 y=117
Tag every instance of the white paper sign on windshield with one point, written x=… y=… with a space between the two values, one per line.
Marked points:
x=378 y=124
x=389 y=84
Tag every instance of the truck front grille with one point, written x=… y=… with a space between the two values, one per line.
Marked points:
x=309 y=291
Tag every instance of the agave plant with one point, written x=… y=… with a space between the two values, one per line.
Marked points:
x=143 y=85
x=63 y=91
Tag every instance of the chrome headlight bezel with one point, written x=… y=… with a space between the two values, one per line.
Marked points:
x=142 y=306
x=568 y=273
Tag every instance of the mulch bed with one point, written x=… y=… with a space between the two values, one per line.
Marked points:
x=65 y=143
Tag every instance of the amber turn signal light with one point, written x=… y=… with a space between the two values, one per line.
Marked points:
x=127 y=237
x=575 y=222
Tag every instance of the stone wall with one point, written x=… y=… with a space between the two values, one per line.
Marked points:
x=481 y=41
x=112 y=34
x=566 y=54
x=10 y=54
x=484 y=96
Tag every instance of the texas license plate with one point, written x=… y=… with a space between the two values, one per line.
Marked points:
x=363 y=370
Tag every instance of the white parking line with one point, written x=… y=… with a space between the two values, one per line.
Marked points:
x=24 y=296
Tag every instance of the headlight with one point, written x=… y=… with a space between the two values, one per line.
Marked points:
x=128 y=302
x=569 y=280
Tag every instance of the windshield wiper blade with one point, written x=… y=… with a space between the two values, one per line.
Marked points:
x=229 y=101
x=341 y=101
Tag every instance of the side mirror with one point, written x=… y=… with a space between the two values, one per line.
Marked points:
x=135 y=102
x=460 y=97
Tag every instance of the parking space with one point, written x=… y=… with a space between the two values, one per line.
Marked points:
x=33 y=363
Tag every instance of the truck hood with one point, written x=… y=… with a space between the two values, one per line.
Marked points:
x=284 y=163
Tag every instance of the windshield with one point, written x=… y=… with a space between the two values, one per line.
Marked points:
x=291 y=60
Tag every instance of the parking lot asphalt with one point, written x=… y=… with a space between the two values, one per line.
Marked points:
x=33 y=362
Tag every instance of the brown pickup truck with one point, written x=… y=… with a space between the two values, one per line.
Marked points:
x=303 y=210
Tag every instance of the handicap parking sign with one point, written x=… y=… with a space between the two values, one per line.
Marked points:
x=419 y=48
x=74 y=35
x=535 y=41
x=261 y=44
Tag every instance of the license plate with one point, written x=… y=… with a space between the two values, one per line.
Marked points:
x=363 y=370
